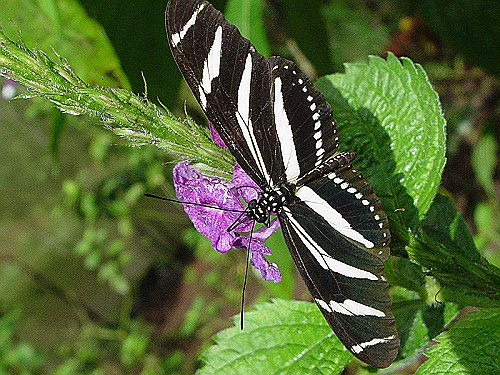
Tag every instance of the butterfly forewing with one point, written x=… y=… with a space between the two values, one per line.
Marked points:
x=231 y=81
x=278 y=126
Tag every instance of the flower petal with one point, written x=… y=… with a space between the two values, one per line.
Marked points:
x=246 y=187
x=215 y=136
x=269 y=271
x=197 y=191
x=195 y=188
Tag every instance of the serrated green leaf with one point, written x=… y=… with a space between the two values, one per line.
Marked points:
x=283 y=337
x=444 y=246
x=247 y=15
x=388 y=113
x=470 y=346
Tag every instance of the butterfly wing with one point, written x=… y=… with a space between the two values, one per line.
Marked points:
x=278 y=127
x=274 y=121
x=306 y=131
x=230 y=80
x=338 y=237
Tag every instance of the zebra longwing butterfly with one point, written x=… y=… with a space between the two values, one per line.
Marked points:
x=279 y=129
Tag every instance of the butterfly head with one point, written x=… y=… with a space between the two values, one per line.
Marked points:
x=268 y=204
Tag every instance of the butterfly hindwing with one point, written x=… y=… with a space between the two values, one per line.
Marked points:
x=331 y=232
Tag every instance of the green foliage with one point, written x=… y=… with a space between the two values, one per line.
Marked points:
x=68 y=30
x=484 y=161
x=443 y=245
x=248 y=16
x=353 y=32
x=282 y=337
x=308 y=30
x=126 y=114
x=16 y=357
x=103 y=247
x=386 y=111
x=469 y=346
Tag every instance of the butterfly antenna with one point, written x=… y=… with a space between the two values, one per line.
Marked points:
x=192 y=203
x=243 y=289
x=241 y=219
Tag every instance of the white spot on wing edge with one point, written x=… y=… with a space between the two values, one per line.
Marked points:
x=177 y=37
x=285 y=134
x=203 y=99
x=360 y=347
x=324 y=259
x=323 y=305
x=332 y=216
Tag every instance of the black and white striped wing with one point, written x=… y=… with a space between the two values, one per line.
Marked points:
x=273 y=120
x=223 y=70
x=303 y=119
x=338 y=237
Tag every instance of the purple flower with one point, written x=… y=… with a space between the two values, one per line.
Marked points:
x=215 y=136
x=197 y=191
x=246 y=187
x=269 y=271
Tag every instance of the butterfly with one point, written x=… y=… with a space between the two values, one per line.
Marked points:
x=279 y=129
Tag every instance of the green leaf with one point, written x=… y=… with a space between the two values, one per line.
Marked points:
x=64 y=26
x=444 y=246
x=470 y=346
x=247 y=15
x=416 y=337
x=282 y=337
x=388 y=113
x=487 y=222
x=403 y=272
x=417 y=320
x=484 y=162
x=133 y=348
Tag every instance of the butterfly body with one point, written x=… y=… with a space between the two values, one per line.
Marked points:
x=278 y=127
x=268 y=202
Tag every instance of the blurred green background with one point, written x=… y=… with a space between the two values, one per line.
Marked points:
x=95 y=278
